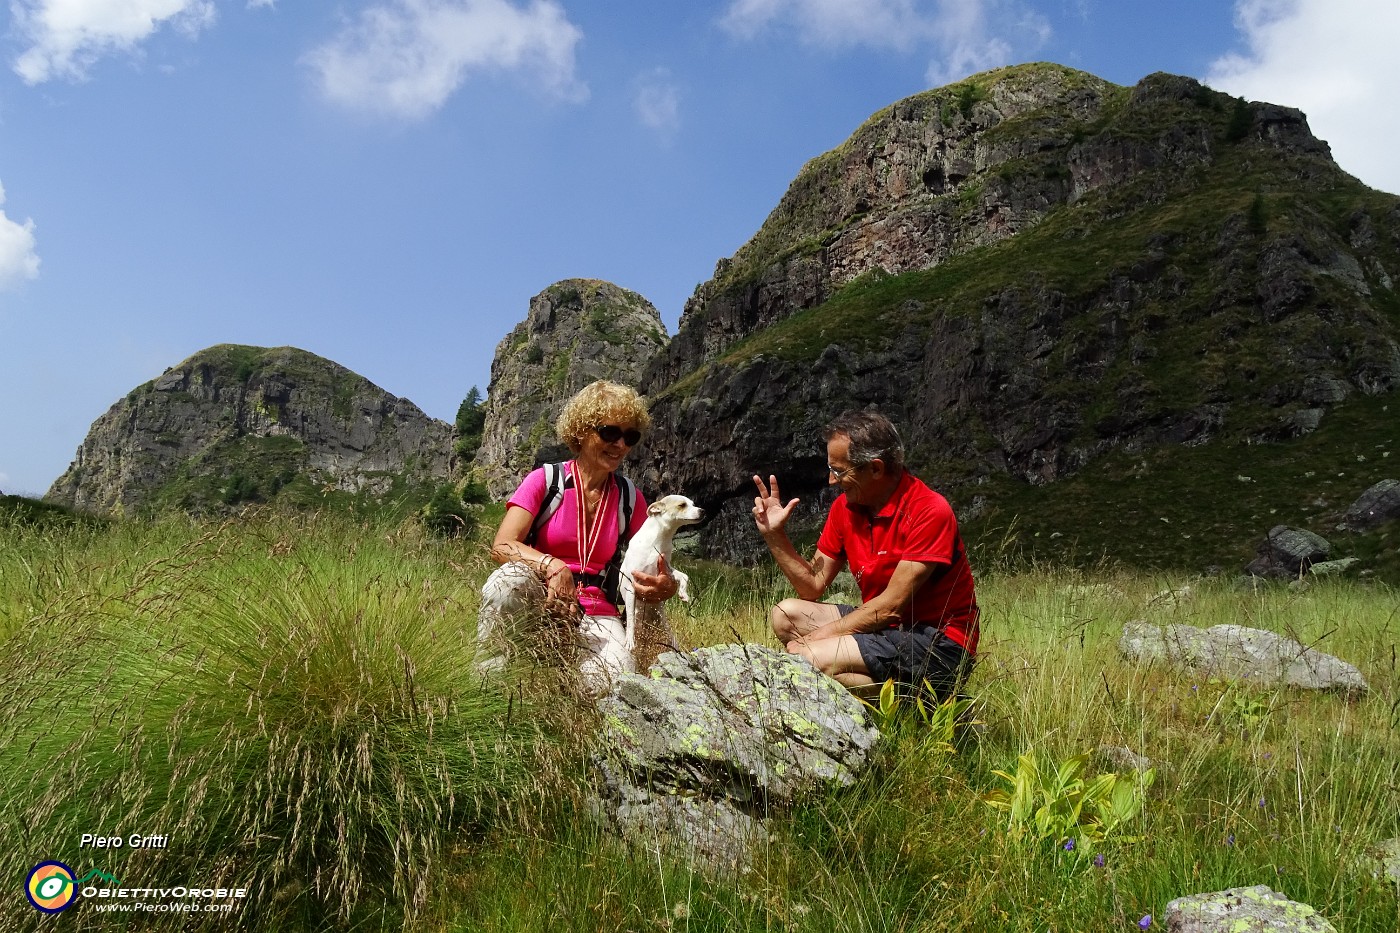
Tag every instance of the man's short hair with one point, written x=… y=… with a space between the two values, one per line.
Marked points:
x=872 y=437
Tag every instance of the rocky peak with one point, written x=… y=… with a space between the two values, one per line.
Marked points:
x=237 y=423
x=576 y=332
x=1029 y=269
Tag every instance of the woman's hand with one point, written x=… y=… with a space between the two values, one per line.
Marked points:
x=655 y=587
x=560 y=597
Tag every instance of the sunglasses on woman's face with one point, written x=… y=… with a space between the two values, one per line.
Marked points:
x=611 y=434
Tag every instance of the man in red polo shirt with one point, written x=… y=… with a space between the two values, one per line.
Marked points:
x=917 y=621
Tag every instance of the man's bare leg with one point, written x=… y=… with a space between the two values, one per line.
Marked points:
x=794 y=619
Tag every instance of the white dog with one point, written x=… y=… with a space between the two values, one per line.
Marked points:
x=653 y=540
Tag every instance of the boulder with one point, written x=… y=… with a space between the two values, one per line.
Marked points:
x=1287 y=553
x=1234 y=652
x=1375 y=506
x=697 y=753
x=1256 y=909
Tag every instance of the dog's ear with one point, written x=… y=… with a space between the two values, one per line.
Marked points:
x=656 y=508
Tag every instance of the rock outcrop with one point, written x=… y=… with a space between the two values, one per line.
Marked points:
x=1028 y=270
x=698 y=753
x=577 y=331
x=235 y=424
x=1235 y=652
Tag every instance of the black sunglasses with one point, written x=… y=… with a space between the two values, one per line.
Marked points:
x=611 y=434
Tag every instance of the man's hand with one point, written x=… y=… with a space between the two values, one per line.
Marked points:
x=769 y=513
x=655 y=587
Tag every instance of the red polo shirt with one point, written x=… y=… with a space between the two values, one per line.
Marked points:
x=915 y=524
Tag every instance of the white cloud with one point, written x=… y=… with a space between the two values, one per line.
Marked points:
x=4 y=480
x=657 y=102
x=1336 y=61
x=404 y=58
x=966 y=35
x=18 y=261
x=66 y=37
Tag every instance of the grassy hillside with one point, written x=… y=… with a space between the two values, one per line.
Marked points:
x=1204 y=508
x=292 y=700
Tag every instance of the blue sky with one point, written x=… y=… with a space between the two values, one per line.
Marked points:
x=388 y=182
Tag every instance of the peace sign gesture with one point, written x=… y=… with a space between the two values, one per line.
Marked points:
x=769 y=512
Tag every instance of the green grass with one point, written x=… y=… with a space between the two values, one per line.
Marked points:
x=292 y=702
x=291 y=699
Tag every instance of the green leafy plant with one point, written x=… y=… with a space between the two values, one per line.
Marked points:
x=940 y=721
x=1059 y=804
x=1240 y=711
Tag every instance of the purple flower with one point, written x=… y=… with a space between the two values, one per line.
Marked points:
x=1145 y=922
x=1069 y=845
x=1099 y=860
x=1230 y=839
x=1262 y=803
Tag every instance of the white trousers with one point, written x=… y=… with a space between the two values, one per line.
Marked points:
x=512 y=601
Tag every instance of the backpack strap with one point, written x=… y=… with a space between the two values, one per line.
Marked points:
x=612 y=573
x=556 y=480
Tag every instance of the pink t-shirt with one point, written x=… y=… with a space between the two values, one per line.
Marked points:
x=559 y=535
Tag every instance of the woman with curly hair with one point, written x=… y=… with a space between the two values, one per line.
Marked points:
x=557 y=569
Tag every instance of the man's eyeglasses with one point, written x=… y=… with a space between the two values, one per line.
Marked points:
x=841 y=474
x=611 y=434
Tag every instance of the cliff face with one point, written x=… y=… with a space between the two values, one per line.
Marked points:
x=576 y=332
x=236 y=424
x=1028 y=270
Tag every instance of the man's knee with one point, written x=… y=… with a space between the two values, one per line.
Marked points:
x=784 y=619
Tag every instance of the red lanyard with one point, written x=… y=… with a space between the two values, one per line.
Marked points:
x=588 y=536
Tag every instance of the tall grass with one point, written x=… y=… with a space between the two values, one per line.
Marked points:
x=293 y=703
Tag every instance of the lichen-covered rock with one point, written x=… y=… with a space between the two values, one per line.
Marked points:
x=1256 y=909
x=233 y=424
x=1235 y=652
x=703 y=746
x=1383 y=859
x=1122 y=758
x=576 y=332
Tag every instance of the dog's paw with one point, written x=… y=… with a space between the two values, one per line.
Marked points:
x=682 y=585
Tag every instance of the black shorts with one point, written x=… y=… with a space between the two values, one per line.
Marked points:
x=919 y=658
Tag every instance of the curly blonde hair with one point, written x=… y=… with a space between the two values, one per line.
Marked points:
x=600 y=403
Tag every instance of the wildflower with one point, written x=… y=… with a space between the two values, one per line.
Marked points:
x=1262 y=803
x=1099 y=860
x=1069 y=845
x=1145 y=922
